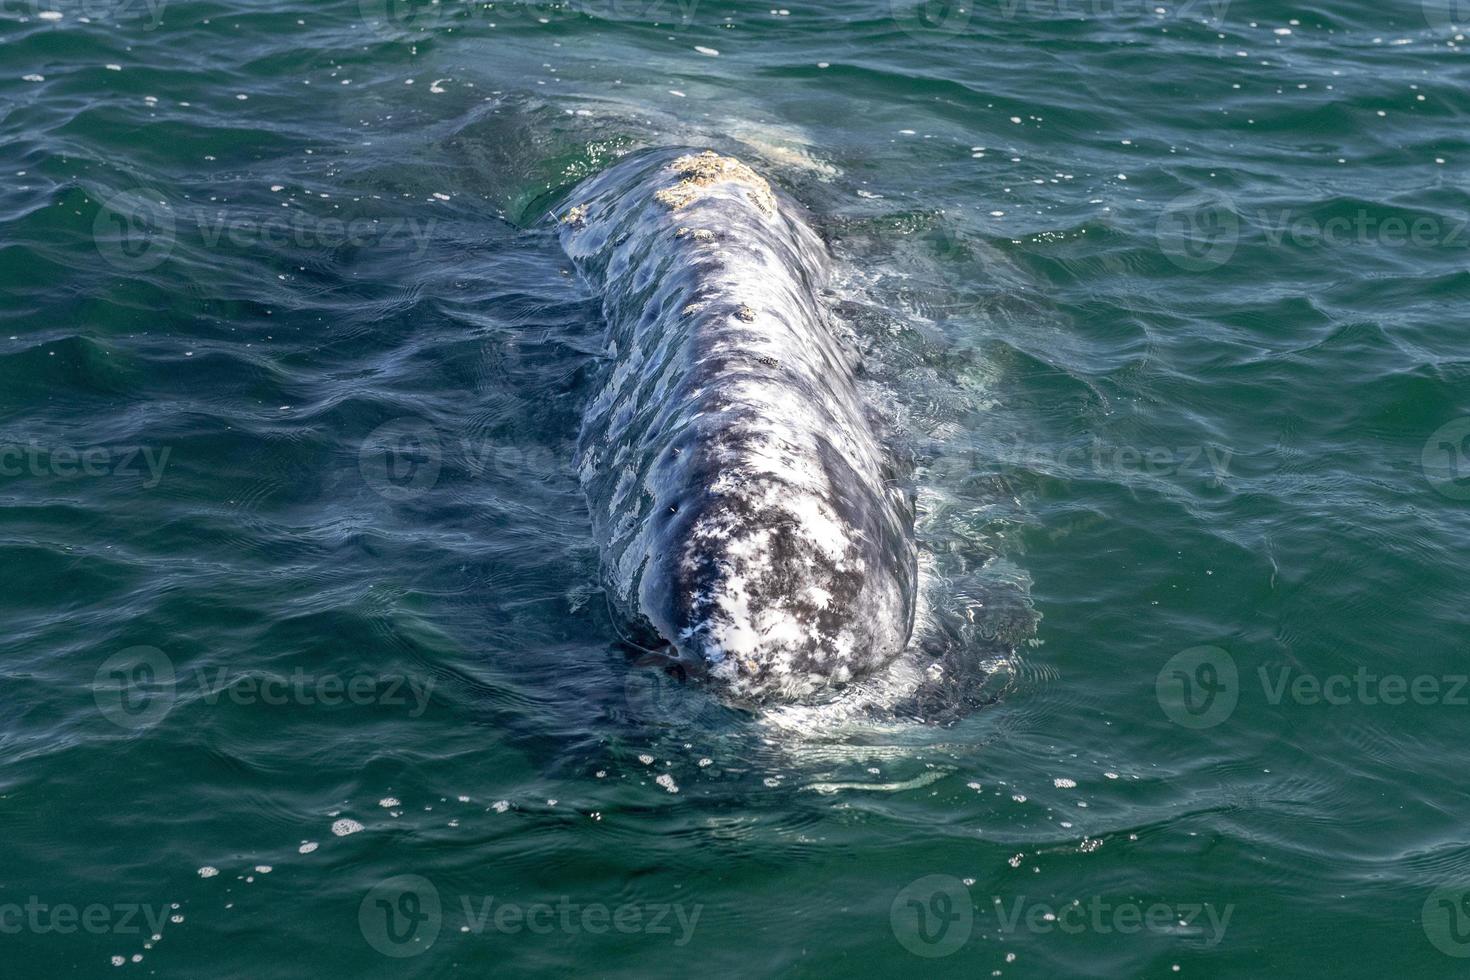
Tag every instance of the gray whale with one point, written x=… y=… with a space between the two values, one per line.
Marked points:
x=747 y=514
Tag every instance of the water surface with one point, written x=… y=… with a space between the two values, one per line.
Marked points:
x=1166 y=304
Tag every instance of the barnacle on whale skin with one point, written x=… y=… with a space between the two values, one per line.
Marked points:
x=576 y=217
x=701 y=170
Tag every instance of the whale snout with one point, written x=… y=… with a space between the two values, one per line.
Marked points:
x=778 y=595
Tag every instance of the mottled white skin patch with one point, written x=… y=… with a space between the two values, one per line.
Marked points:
x=746 y=511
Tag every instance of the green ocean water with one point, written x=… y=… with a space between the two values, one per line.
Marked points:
x=307 y=671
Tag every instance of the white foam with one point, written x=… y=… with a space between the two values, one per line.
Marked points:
x=346 y=826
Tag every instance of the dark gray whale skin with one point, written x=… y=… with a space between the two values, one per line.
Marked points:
x=745 y=508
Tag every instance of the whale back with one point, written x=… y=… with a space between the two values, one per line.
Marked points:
x=746 y=511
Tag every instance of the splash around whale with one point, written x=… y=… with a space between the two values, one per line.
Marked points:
x=749 y=518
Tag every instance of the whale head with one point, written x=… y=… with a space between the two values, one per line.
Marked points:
x=746 y=508
x=784 y=580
